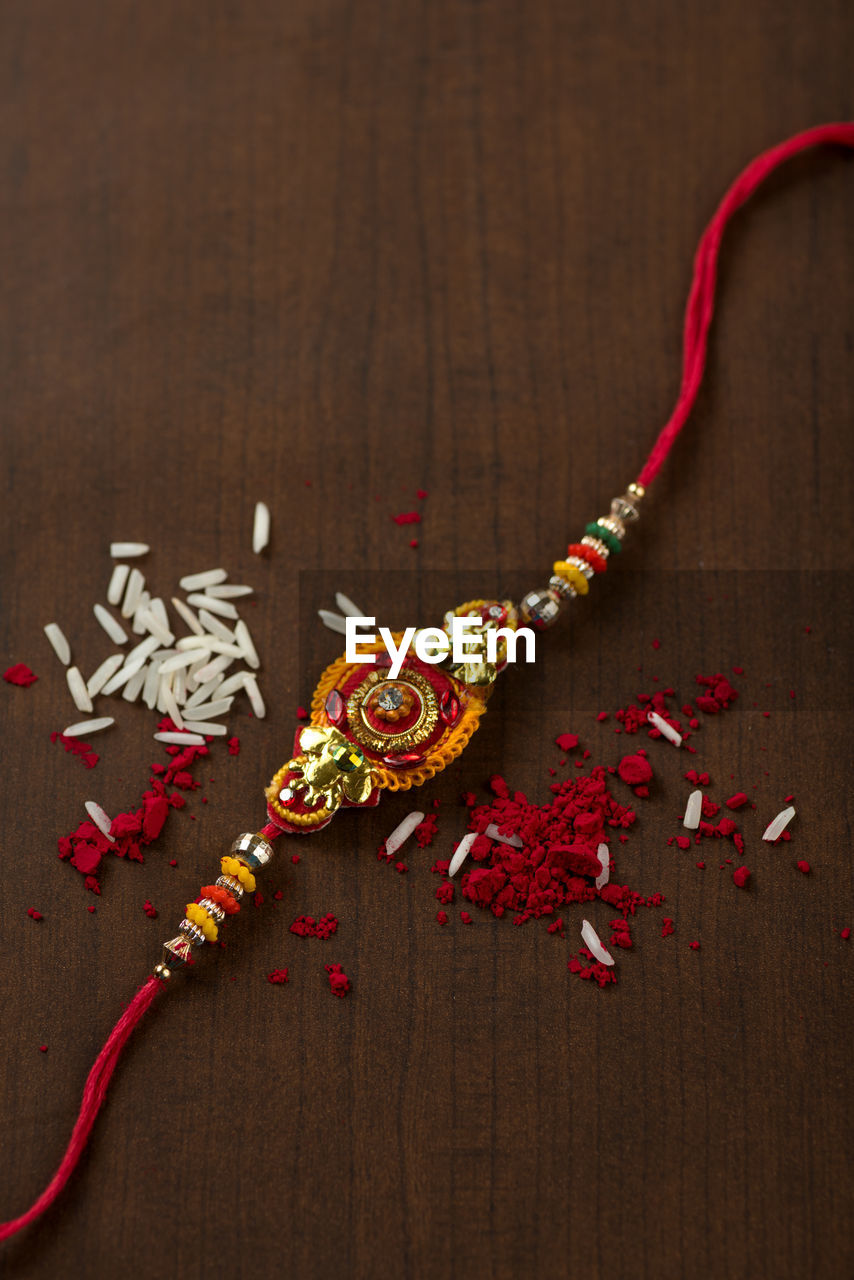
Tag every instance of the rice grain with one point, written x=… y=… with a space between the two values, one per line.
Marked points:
x=593 y=944
x=77 y=688
x=261 y=528
x=244 y=641
x=84 y=727
x=250 y=684
x=198 y=581
x=59 y=644
x=119 y=550
x=102 y=674
x=113 y=628
x=100 y=819
x=118 y=581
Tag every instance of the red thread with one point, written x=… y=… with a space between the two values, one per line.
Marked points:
x=93 y=1097
x=701 y=300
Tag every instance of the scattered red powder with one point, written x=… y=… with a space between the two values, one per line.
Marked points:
x=234 y=746
x=621 y=934
x=701 y=866
x=33 y=914
x=413 y=542
x=804 y=866
x=666 y=927
x=421 y=493
x=91 y=908
x=845 y=933
x=308 y=927
x=425 y=832
x=295 y=858
x=740 y=877
x=42 y=1048
x=466 y=918
x=695 y=946
x=656 y=644
x=595 y=972
x=339 y=983
x=442 y=917
x=302 y=714
x=20 y=675
x=407 y=517
x=278 y=976
x=736 y=801
x=566 y=742
x=78 y=748
x=258 y=899
x=133 y=831
x=445 y=894
x=149 y=910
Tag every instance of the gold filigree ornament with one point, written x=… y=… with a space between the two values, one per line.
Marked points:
x=328 y=770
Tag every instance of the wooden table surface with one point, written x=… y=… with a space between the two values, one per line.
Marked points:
x=324 y=254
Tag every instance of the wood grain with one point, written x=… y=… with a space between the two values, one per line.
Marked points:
x=324 y=254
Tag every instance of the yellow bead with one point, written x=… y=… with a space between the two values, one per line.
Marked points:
x=247 y=879
x=572 y=575
x=209 y=929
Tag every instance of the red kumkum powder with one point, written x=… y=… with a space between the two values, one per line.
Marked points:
x=339 y=983
x=20 y=674
x=557 y=863
x=133 y=831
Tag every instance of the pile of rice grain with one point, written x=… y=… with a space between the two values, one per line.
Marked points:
x=187 y=676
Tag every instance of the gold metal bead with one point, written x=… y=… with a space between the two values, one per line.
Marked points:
x=232 y=885
x=613 y=525
x=213 y=909
x=564 y=588
x=582 y=565
x=192 y=931
x=161 y=971
x=636 y=491
x=600 y=547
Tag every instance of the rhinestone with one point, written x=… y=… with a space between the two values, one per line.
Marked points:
x=449 y=707
x=335 y=707
x=613 y=525
x=348 y=758
x=286 y=796
x=390 y=699
x=403 y=760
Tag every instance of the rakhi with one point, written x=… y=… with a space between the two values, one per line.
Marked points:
x=370 y=732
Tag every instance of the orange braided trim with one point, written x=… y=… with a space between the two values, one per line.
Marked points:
x=439 y=756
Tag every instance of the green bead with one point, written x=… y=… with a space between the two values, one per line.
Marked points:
x=604 y=535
